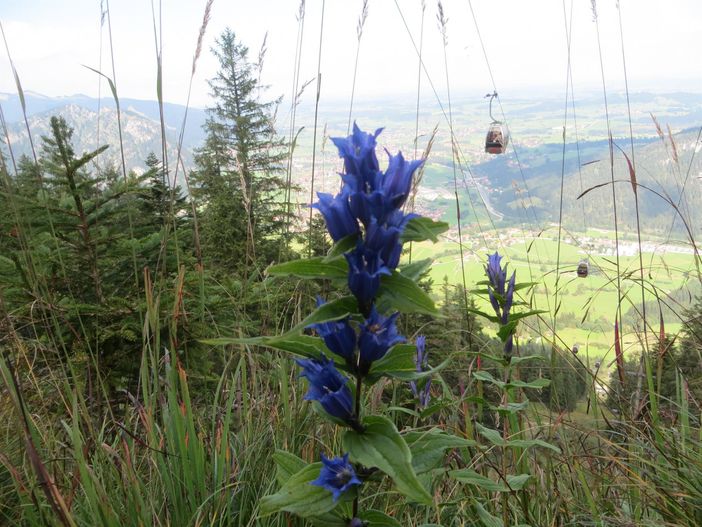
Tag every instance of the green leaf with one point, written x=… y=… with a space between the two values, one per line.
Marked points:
x=506 y=330
x=493 y=436
x=536 y=384
x=343 y=245
x=511 y=408
x=524 y=285
x=487 y=519
x=526 y=358
x=311 y=268
x=287 y=465
x=491 y=318
x=7 y=266
x=529 y=443
x=334 y=310
x=299 y=496
x=399 y=293
x=374 y=518
x=471 y=477
x=420 y=229
x=428 y=447
x=517 y=481
x=414 y=270
x=330 y=519
x=381 y=445
x=398 y=363
x=301 y=345
x=483 y=375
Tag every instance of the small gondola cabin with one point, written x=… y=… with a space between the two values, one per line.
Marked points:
x=583 y=269
x=496 y=139
x=575 y=349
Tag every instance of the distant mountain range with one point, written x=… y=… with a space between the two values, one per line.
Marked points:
x=141 y=127
x=515 y=187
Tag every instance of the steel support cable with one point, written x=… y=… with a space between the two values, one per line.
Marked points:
x=563 y=156
x=514 y=149
x=293 y=114
x=416 y=114
x=611 y=162
x=316 y=114
x=633 y=183
x=446 y=118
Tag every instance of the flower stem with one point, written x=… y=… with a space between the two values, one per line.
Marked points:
x=357 y=411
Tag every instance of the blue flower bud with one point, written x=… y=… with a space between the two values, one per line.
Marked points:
x=328 y=386
x=337 y=215
x=360 y=162
x=337 y=476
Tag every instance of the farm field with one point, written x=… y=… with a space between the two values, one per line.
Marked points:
x=587 y=306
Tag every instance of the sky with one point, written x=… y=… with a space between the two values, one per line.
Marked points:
x=50 y=43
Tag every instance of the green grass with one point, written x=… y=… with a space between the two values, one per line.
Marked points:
x=593 y=299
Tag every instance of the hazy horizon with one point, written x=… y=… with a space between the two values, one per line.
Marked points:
x=51 y=43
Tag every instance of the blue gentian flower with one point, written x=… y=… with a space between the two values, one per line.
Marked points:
x=328 y=386
x=501 y=293
x=421 y=362
x=365 y=269
x=337 y=215
x=397 y=181
x=339 y=336
x=369 y=206
x=495 y=273
x=386 y=242
x=378 y=335
x=337 y=476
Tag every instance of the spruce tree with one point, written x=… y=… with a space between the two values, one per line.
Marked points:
x=237 y=182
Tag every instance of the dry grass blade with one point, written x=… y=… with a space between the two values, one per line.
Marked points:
x=632 y=171
x=592 y=188
x=201 y=34
x=673 y=145
x=442 y=22
x=425 y=155
x=362 y=19
x=618 y=353
x=659 y=130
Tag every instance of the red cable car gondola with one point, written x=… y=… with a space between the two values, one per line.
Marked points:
x=583 y=269
x=497 y=136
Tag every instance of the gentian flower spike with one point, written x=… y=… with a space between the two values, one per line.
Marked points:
x=328 y=386
x=337 y=215
x=337 y=476
x=378 y=335
x=422 y=364
x=339 y=337
x=501 y=294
